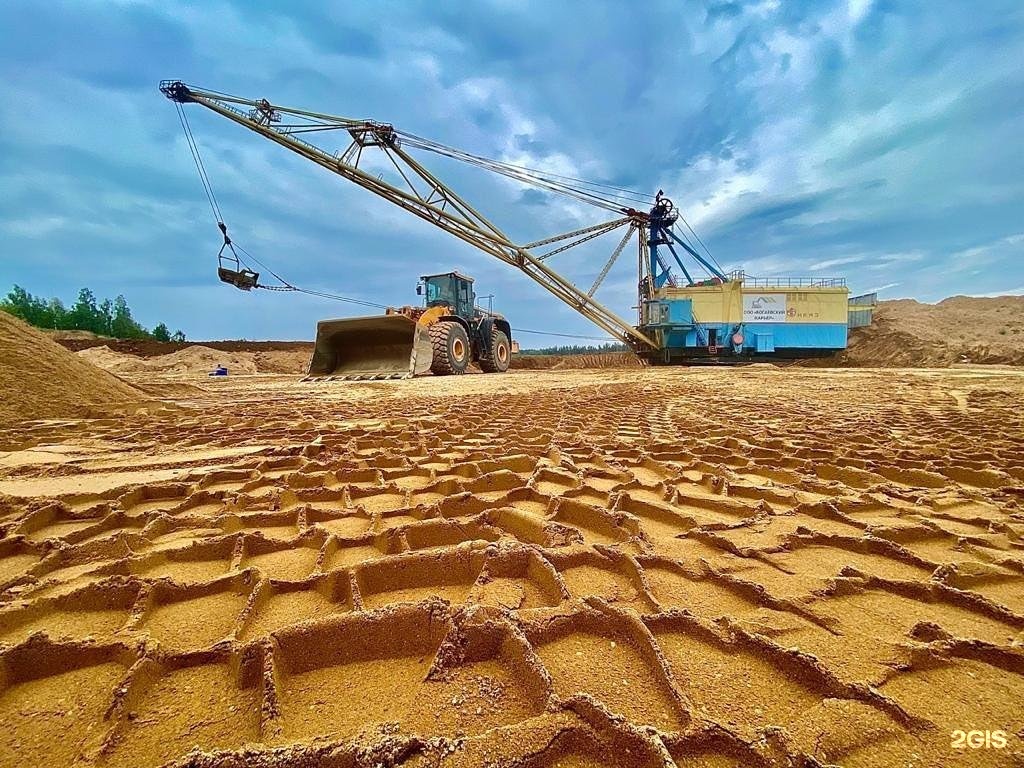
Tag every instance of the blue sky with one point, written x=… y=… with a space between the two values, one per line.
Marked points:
x=880 y=141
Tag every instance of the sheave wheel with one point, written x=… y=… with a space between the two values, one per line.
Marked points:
x=451 y=348
x=501 y=352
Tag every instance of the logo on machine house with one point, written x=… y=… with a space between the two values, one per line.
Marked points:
x=764 y=307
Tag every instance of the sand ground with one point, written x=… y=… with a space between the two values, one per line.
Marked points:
x=644 y=567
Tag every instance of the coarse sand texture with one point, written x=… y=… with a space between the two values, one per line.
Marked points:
x=641 y=567
x=40 y=379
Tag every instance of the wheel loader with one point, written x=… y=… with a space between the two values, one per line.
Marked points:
x=443 y=336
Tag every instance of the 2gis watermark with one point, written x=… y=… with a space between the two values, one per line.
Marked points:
x=977 y=740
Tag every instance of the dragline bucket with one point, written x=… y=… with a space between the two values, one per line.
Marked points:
x=381 y=347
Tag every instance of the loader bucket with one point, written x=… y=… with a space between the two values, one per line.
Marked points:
x=381 y=347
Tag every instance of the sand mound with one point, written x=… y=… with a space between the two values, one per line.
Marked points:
x=109 y=360
x=201 y=360
x=39 y=379
x=283 y=361
x=70 y=335
x=192 y=361
x=960 y=329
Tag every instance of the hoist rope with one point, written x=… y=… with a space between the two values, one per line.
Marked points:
x=198 y=160
x=599 y=194
x=215 y=208
x=593 y=192
x=286 y=286
x=435 y=146
x=615 y=198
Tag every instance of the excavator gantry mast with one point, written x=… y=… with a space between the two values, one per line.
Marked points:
x=431 y=199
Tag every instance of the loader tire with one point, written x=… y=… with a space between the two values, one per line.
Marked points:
x=451 y=348
x=497 y=359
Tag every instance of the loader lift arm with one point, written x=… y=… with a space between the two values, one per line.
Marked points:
x=431 y=199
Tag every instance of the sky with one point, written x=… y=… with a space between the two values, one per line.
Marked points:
x=876 y=141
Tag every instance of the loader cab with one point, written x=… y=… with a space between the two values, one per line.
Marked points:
x=449 y=289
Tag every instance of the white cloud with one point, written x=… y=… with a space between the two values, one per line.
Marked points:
x=34 y=226
x=881 y=288
x=899 y=259
x=829 y=263
x=794 y=139
x=856 y=10
x=1013 y=243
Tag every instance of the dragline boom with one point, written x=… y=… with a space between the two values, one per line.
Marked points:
x=424 y=194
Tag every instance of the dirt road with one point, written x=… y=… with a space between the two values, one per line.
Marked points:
x=548 y=568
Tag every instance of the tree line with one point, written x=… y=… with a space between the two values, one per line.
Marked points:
x=577 y=349
x=104 y=318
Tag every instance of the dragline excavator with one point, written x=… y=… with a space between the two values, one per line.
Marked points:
x=711 y=316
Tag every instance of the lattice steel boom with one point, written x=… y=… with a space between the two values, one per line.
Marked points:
x=427 y=196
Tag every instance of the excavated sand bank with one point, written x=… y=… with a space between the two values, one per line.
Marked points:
x=960 y=329
x=198 y=360
x=650 y=567
x=40 y=379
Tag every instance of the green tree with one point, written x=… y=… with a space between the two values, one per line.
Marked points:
x=16 y=302
x=31 y=309
x=107 y=318
x=57 y=314
x=123 y=325
x=106 y=310
x=84 y=314
x=577 y=349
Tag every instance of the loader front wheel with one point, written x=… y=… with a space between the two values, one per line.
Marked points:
x=501 y=352
x=451 y=348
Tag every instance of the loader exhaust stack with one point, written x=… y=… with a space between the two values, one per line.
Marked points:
x=381 y=347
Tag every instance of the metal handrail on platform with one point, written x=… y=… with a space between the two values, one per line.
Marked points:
x=787 y=282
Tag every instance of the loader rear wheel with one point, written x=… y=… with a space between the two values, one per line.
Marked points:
x=496 y=361
x=451 y=348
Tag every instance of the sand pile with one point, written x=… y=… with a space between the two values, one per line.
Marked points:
x=284 y=361
x=960 y=329
x=109 y=360
x=72 y=335
x=192 y=361
x=39 y=379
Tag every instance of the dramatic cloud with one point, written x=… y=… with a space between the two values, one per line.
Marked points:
x=876 y=140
